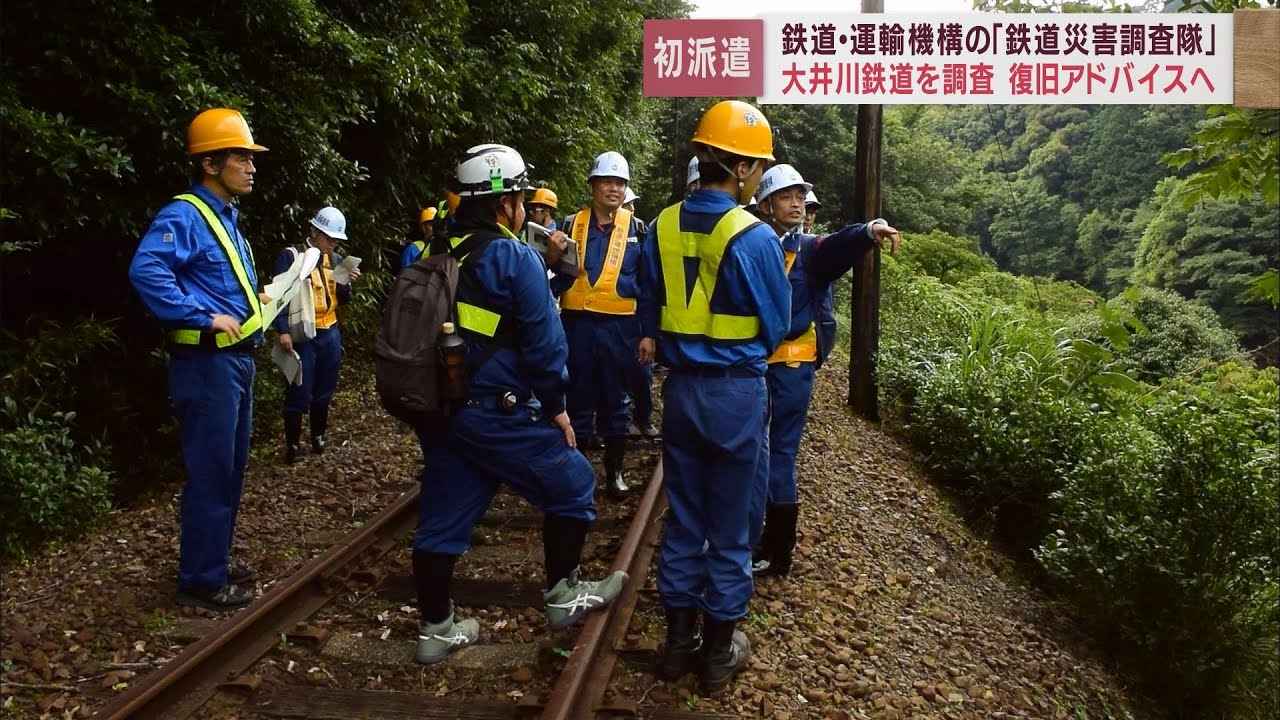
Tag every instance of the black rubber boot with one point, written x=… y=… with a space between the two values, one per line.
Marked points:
x=292 y=437
x=615 y=450
x=781 y=541
x=725 y=651
x=432 y=573
x=679 y=656
x=319 y=425
x=762 y=554
x=562 y=541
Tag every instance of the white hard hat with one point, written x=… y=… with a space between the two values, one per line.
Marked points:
x=331 y=222
x=491 y=170
x=811 y=199
x=630 y=196
x=610 y=164
x=780 y=177
x=693 y=176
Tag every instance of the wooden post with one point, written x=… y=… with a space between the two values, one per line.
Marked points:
x=865 y=313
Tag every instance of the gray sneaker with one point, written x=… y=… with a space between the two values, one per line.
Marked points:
x=571 y=599
x=435 y=642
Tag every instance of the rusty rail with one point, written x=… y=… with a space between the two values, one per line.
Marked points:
x=183 y=685
x=234 y=645
x=585 y=677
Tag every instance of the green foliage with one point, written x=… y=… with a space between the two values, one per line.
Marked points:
x=1034 y=234
x=1237 y=153
x=1212 y=252
x=52 y=487
x=1053 y=299
x=1149 y=499
x=1168 y=532
x=1181 y=336
x=1266 y=289
x=946 y=257
x=37 y=368
x=365 y=106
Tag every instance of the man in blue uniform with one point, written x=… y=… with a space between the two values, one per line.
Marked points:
x=194 y=271
x=598 y=309
x=513 y=428
x=640 y=375
x=812 y=265
x=717 y=301
x=316 y=338
x=414 y=249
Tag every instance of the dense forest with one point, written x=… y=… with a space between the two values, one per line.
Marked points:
x=1087 y=299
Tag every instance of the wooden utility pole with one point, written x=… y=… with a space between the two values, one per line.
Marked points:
x=865 y=313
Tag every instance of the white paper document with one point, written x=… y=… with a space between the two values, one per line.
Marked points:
x=342 y=273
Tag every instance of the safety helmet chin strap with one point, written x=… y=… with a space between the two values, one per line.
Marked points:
x=741 y=184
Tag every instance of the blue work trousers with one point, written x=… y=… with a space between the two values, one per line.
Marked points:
x=212 y=395
x=715 y=437
x=790 y=389
x=641 y=389
x=321 y=357
x=485 y=446
x=602 y=355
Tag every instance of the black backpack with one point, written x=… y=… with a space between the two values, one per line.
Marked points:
x=407 y=364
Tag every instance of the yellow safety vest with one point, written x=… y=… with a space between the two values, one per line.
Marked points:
x=803 y=348
x=325 y=290
x=693 y=316
x=249 y=325
x=475 y=318
x=603 y=296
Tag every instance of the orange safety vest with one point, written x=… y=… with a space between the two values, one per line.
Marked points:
x=803 y=348
x=603 y=296
x=325 y=290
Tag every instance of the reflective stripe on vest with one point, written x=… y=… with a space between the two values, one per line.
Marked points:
x=803 y=348
x=693 y=316
x=422 y=246
x=477 y=319
x=603 y=296
x=251 y=324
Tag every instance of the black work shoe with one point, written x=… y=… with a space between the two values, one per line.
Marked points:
x=317 y=444
x=725 y=651
x=615 y=485
x=227 y=597
x=291 y=453
x=239 y=572
x=679 y=656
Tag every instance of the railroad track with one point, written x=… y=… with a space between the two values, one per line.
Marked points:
x=223 y=658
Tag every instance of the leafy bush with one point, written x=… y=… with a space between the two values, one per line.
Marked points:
x=1055 y=299
x=1182 y=335
x=52 y=488
x=1169 y=533
x=1153 y=507
x=946 y=257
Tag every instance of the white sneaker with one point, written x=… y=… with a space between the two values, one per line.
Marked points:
x=435 y=642
x=571 y=599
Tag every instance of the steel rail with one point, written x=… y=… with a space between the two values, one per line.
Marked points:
x=585 y=677
x=233 y=645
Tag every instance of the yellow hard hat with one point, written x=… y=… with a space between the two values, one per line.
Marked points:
x=544 y=196
x=453 y=200
x=736 y=127
x=220 y=129
x=427 y=215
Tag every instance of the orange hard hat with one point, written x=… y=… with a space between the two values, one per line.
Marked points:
x=220 y=129
x=427 y=215
x=736 y=127
x=544 y=196
x=453 y=199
